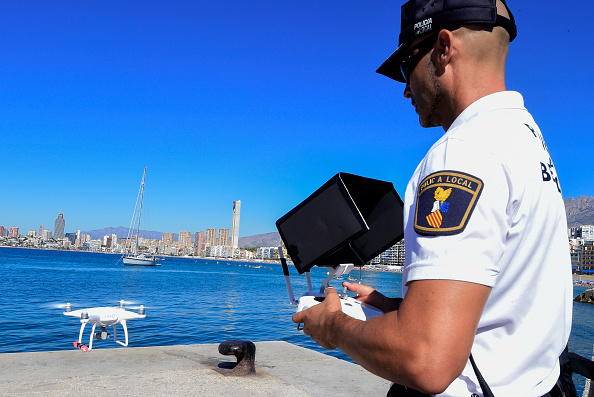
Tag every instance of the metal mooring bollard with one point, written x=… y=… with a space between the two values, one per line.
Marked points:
x=244 y=351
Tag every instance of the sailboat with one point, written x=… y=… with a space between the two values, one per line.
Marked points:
x=136 y=258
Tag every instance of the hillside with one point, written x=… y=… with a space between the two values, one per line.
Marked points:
x=579 y=211
x=122 y=232
x=259 y=240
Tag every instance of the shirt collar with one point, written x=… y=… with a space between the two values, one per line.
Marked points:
x=498 y=100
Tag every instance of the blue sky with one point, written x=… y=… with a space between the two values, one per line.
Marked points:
x=259 y=101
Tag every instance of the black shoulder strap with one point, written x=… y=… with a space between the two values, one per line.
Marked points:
x=484 y=386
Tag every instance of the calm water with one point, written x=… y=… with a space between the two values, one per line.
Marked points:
x=188 y=301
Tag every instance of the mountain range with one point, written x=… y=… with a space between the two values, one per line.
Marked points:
x=579 y=211
x=259 y=240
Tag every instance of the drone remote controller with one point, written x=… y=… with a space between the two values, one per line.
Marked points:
x=350 y=306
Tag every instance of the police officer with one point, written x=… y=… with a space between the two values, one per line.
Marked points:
x=487 y=273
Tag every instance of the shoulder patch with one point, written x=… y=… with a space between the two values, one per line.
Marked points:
x=445 y=201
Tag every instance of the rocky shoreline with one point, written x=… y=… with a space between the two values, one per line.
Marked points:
x=585 y=297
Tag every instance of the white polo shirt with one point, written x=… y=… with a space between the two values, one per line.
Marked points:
x=485 y=206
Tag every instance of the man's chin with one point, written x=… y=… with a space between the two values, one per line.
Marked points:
x=426 y=122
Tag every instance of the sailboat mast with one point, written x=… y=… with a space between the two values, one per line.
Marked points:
x=140 y=210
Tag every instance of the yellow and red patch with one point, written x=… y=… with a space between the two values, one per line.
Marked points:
x=445 y=201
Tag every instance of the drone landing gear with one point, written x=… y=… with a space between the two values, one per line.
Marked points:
x=83 y=348
x=101 y=335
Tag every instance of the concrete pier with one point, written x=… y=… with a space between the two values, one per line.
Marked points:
x=282 y=369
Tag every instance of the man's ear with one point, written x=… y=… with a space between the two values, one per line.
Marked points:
x=443 y=50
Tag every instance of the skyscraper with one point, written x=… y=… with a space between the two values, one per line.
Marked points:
x=70 y=237
x=198 y=242
x=167 y=239
x=47 y=235
x=41 y=229
x=59 y=226
x=235 y=224
x=14 y=231
x=211 y=237
x=185 y=239
x=224 y=237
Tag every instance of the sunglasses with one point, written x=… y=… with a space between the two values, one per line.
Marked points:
x=409 y=62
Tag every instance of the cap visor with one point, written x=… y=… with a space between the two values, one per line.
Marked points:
x=391 y=66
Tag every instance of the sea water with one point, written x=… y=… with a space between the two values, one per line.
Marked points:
x=187 y=301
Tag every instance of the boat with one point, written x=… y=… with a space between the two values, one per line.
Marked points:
x=137 y=258
x=140 y=260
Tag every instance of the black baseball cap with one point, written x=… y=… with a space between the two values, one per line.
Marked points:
x=421 y=17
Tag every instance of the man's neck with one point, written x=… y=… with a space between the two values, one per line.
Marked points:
x=469 y=90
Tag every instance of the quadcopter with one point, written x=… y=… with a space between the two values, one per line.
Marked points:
x=103 y=317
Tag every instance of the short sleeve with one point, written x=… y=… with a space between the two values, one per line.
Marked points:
x=459 y=215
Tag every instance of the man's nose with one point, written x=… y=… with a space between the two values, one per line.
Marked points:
x=407 y=93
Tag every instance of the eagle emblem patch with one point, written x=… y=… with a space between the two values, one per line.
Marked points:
x=445 y=201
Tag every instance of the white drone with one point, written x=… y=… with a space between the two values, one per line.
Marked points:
x=103 y=317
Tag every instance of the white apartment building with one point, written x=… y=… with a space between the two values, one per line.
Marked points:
x=221 y=251
x=47 y=235
x=587 y=232
x=395 y=255
x=266 y=252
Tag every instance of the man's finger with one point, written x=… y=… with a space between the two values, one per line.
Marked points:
x=298 y=317
x=353 y=287
x=331 y=291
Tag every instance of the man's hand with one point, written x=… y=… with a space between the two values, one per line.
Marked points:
x=318 y=320
x=369 y=295
x=424 y=344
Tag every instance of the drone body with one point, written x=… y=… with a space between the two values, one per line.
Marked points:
x=103 y=317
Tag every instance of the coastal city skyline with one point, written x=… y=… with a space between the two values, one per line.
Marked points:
x=210 y=236
x=260 y=100
x=209 y=242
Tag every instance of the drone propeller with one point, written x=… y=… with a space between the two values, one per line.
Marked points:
x=127 y=302
x=55 y=305
x=137 y=307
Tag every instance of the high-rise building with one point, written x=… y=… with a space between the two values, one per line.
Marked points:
x=266 y=252
x=395 y=255
x=14 y=231
x=224 y=237
x=235 y=224
x=41 y=229
x=167 y=239
x=47 y=235
x=70 y=237
x=585 y=232
x=198 y=242
x=211 y=237
x=185 y=239
x=3 y=231
x=59 y=226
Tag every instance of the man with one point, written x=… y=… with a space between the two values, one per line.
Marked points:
x=487 y=262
